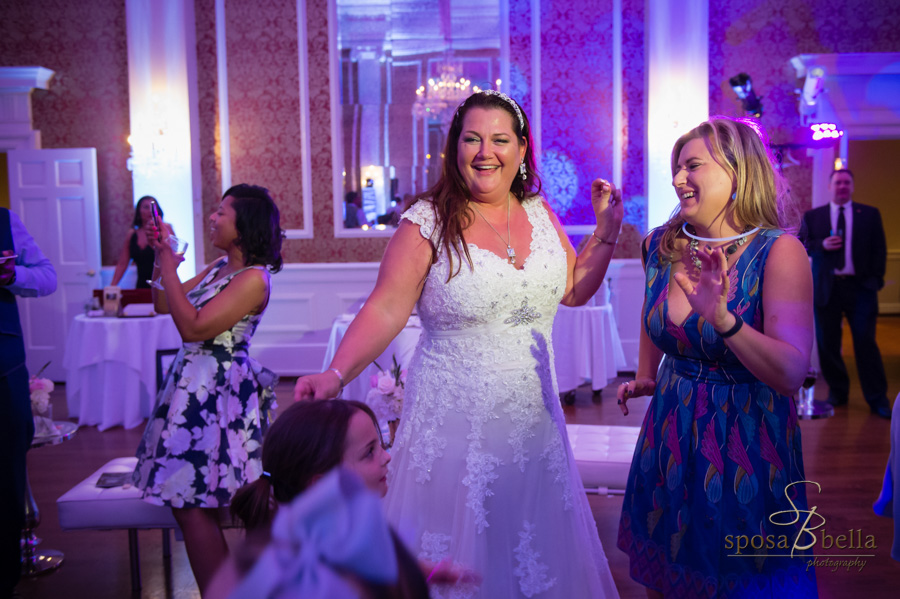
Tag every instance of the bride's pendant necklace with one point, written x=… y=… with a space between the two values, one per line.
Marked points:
x=736 y=242
x=510 y=252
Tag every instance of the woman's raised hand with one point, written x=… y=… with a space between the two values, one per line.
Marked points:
x=608 y=209
x=156 y=236
x=324 y=385
x=709 y=296
x=159 y=241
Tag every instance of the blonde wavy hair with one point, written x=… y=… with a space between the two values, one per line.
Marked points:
x=761 y=195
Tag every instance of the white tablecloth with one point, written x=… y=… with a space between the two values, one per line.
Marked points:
x=402 y=347
x=587 y=346
x=111 y=368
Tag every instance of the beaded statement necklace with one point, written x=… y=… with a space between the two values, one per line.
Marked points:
x=510 y=251
x=736 y=242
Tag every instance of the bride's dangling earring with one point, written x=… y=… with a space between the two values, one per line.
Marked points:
x=522 y=170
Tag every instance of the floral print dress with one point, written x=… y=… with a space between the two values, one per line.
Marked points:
x=715 y=459
x=204 y=439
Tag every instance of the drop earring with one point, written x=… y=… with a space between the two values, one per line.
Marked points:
x=522 y=170
x=734 y=196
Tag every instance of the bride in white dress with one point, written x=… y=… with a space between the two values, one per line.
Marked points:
x=482 y=476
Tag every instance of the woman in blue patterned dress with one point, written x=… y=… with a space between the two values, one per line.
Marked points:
x=719 y=454
x=204 y=439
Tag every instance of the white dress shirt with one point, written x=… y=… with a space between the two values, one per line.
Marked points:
x=35 y=275
x=848 y=236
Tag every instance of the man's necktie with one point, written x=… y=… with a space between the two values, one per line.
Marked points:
x=841 y=232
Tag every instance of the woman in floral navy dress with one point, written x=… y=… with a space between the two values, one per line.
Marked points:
x=204 y=440
x=728 y=301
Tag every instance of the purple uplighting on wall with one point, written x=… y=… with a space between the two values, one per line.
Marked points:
x=576 y=90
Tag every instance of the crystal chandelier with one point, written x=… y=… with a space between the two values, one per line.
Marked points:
x=441 y=96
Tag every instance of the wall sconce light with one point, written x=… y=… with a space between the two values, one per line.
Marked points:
x=151 y=148
x=743 y=87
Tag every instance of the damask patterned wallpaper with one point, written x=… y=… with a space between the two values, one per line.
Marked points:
x=208 y=113
x=264 y=100
x=577 y=104
x=264 y=119
x=759 y=38
x=87 y=102
x=634 y=129
x=325 y=247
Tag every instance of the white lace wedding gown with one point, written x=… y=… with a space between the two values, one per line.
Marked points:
x=482 y=471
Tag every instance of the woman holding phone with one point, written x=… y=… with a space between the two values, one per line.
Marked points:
x=203 y=441
x=137 y=247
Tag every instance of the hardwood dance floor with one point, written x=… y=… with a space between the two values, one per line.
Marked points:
x=845 y=454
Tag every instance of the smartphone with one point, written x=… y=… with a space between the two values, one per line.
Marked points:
x=154 y=212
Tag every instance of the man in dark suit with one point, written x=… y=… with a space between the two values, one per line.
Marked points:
x=849 y=255
x=24 y=272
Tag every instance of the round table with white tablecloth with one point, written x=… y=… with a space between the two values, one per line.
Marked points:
x=401 y=347
x=587 y=347
x=111 y=367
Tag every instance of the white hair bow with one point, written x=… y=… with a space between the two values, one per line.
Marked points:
x=336 y=526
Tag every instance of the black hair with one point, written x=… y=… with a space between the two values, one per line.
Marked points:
x=137 y=222
x=258 y=224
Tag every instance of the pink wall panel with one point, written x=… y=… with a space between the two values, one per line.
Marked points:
x=264 y=100
x=519 y=86
x=577 y=104
x=325 y=247
x=208 y=112
x=87 y=103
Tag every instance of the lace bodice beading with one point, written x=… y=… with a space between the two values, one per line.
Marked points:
x=492 y=289
x=486 y=354
x=491 y=314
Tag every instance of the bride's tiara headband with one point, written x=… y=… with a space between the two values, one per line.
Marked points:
x=505 y=98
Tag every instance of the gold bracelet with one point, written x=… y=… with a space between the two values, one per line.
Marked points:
x=602 y=241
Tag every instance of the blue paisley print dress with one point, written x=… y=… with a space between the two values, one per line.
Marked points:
x=716 y=455
x=204 y=440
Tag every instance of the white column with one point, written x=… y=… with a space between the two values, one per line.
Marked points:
x=677 y=57
x=161 y=55
x=16 y=85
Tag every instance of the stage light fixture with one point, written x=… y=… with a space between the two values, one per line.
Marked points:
x=824 y=135
x=743 y=87
x=813 y=86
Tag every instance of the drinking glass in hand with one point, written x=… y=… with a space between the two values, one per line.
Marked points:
x=179 y=247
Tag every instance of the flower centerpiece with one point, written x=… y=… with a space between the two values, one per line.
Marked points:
x=386 y=396
x=40 y=389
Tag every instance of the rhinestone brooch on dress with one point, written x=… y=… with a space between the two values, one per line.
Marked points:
x=524 y=315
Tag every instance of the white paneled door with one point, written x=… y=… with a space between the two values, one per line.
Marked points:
x=54 y=192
